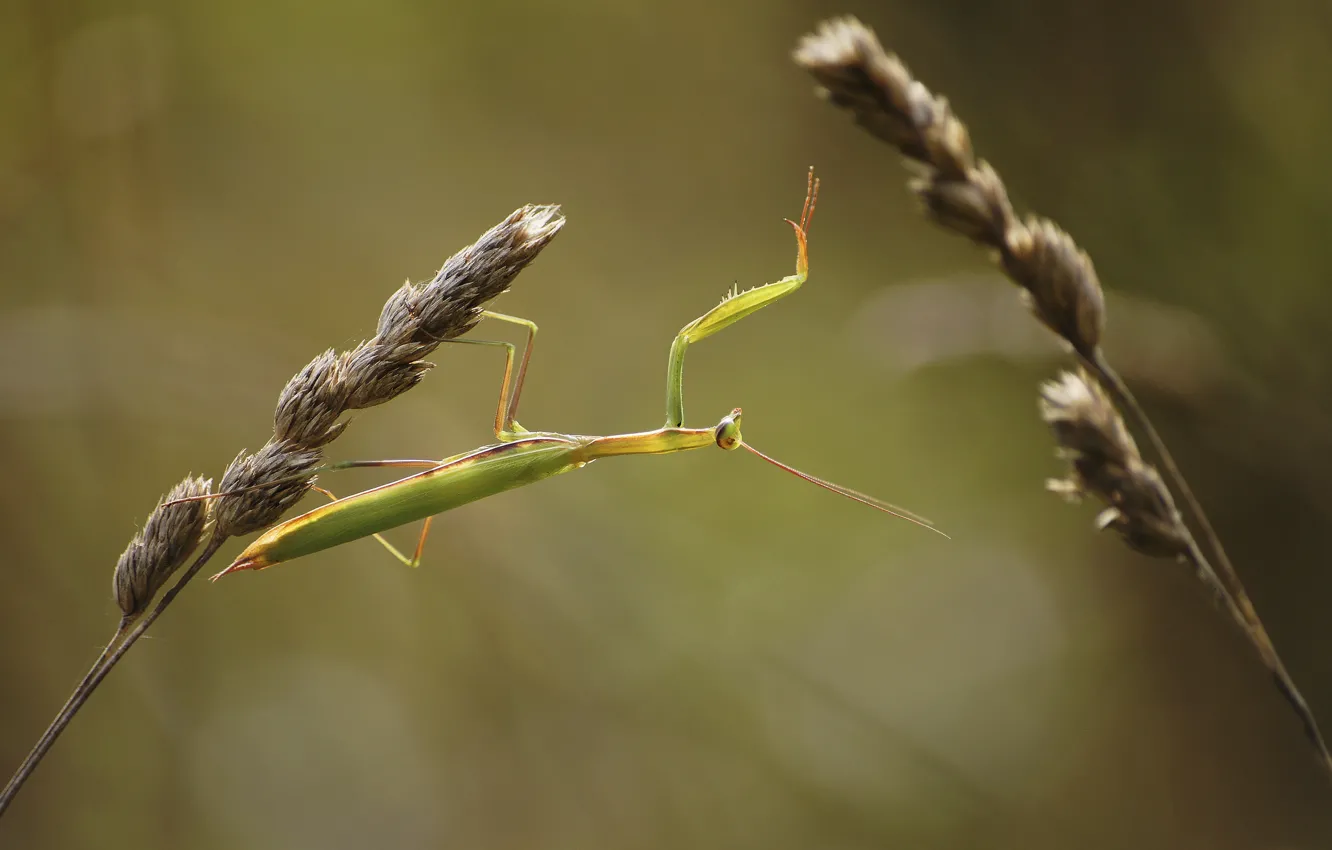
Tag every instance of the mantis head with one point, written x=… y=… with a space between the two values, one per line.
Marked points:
x=728 y=431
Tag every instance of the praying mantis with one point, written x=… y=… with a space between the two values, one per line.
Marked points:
x=521 y=457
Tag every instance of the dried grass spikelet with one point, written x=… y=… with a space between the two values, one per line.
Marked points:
x=1105 y=463
x=171 y=533
x=413 y=322
x=1058 y=281
x=959 y=192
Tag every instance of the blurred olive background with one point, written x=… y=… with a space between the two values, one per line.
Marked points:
x=696 y=651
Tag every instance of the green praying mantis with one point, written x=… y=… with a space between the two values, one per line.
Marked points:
x=521 y=457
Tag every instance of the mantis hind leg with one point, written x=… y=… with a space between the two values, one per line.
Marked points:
x=511 y=389
x=415 y=560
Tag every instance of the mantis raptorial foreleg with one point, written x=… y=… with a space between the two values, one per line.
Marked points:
x=735 y=306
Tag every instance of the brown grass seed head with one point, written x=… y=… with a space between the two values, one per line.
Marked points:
x=1105 y=463
x=171 y=533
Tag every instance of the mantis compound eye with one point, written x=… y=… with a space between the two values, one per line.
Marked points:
x=728 y=431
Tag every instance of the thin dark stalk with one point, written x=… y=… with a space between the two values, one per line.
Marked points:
x=1226 y=580
x=1227 y=577
x=62 y=718
x=108 y=659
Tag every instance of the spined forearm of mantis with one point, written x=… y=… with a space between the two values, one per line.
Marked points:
x=521 y=457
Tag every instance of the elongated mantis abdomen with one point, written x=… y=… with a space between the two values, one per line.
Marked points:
x=476 y=475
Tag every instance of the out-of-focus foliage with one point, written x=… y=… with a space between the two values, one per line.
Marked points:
x=695 y=651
